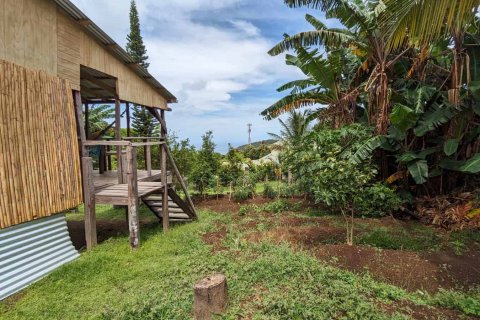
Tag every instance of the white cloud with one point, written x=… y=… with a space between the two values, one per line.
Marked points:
x=247 y=27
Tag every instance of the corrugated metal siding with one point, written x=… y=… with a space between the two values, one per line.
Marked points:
x=31 y=250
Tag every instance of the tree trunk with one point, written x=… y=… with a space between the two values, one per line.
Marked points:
x=210 y=297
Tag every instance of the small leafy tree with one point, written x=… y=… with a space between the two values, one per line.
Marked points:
x=184 y=154
x=231 y=168
x=325 y=170
x=207 y=164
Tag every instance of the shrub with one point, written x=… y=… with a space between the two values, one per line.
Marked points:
x=269 y=192
x=377 y=200
x=276 y=206
x=242 y=194
x=243 y=210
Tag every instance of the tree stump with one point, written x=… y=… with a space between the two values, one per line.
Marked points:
x=210 y=297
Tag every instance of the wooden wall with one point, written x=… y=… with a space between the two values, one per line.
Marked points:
x=39 y=35
x=68 y=50
x=28 y=33
x=39 y=163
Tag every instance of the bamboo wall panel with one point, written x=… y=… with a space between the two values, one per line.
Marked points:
x=39 y=159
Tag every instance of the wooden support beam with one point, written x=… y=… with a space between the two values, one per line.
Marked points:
x=87 y=115
x=163 y=164
x=118 y=138
x=127 y=110
x=133 y=222
x=89 y=200
x=77 y=98
x=148 y=158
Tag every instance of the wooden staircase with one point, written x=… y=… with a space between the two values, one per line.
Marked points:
x=178 y=209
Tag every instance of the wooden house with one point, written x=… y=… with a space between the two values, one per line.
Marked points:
x=54 y=63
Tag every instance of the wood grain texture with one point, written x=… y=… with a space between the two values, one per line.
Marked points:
x=39 y=162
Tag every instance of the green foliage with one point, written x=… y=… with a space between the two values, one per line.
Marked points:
x=184 y=154
x=135 y=46
x=467 y=303
x=269 y=192
x=277 y=206
x=231 y=167
x=377 y=200
x=143 y=123
x=98 y=116
x=206 y=165
x=255 y=152
x=242 y=193
x=323 y=167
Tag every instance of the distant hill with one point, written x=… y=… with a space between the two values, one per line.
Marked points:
x=257 y=143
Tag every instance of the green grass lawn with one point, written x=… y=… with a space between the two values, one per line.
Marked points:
x=266 y=281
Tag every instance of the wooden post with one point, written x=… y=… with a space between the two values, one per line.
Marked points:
x=118 y=137
x=87 y=177
x=210 y=297
x=77 y=97
x=163 y=164
x=148 y=159
x=127 y=111
x=87 y=115
x=89 y=200
x=133 y=223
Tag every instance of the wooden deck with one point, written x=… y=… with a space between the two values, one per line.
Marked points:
x=118 y=194
x=110 y=178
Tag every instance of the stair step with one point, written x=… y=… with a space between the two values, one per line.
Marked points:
x=154 y=197
x=173 y=210
x=160 y=204
x=177 y=216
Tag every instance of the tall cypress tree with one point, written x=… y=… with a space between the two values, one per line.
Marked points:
x=135 y=46
x=142 y=120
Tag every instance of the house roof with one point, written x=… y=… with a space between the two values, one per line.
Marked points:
x=98 y=34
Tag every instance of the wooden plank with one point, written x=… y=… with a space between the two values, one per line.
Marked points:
x=133 y=222
x=89 y=207
x=118 y=138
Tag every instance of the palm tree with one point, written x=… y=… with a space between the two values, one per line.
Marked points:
x=363 y=35
x=294 y=128
x=328 y=82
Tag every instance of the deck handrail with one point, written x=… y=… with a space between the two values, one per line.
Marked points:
x=142 y=138
x=94 y=143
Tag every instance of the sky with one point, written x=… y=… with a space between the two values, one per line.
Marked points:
x=212 y=55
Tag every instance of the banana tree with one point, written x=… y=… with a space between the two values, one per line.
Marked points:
x=363 y=35
x=328 y=82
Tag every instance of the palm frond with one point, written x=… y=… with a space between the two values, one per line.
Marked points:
x=323 y=5
x=327 y=37
x=423 y=21
x=297 y=85
x=295 y=101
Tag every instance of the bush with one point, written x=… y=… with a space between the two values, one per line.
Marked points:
x=269 y=192
x=276 y=206
x=242 y=194
x=377 y=200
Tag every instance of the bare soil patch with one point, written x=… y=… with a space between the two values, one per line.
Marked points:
x=223 y=205
x=106 y=229
x=215 y=238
